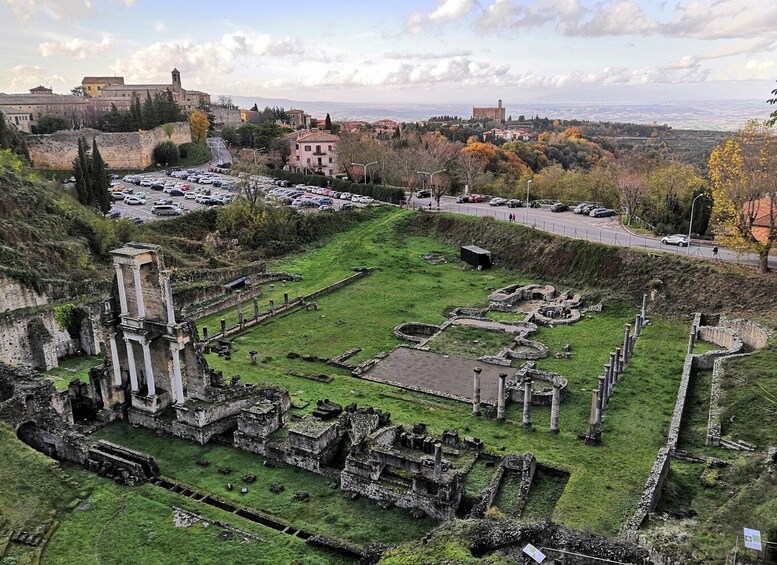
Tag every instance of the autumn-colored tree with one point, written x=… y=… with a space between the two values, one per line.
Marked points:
x=745 y=205
x=199 y=124
x=573 y=133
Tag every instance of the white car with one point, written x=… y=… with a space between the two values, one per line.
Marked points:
x=133 y=200
x=190 y=195
x=206 y=180
x=146 y=183
x=201 y=198
x=679 y=239
x=366 y=200
x=118 y=195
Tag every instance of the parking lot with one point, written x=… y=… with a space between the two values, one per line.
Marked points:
x=212 y=188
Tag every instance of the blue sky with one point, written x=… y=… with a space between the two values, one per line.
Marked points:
x=402 y=51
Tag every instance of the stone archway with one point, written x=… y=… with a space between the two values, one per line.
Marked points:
x=31 y=434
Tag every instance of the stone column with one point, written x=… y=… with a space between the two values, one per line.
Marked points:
x=139 y=292
x=115 y=362
x=618 y=364
x=600 y=401
x=627 y=343
x=476 y=391
x=606 y=377
x=692 y=339
x=133 y=370
x=272 y=305
x=500 y=402
x=122 y=290
x=644 y=308
x=239 y=311
x=285 y=298
x=637 y=325
x=168 y=290
x=437 y=461
x=613 y=368
x=555 y=405
x=256 y=308
x=527 y=394
x=177 y=384
x=204 y=333
x=149 y=368
x=223 y=327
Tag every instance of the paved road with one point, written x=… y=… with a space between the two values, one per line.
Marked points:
x=602 y=230
x=219 y=150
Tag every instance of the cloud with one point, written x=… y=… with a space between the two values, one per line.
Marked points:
x=56 y=9
x=76 y=47
x=427 y=56
x=446 y=11
x=752 y=69
x=203 y=57
x=724 y=19
x=28 y=76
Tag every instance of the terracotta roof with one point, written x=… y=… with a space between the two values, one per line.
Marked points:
x=20 y=99
x=101 y=79
x=317 y=136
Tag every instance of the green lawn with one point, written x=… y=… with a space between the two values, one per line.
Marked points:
x=117 y=525
x=470 y=342
x=605 y=482
x=73 y=368
x=329 y=512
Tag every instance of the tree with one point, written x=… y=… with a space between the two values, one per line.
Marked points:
x=249 y=190
x=148 y=115
x=230 y=136
x=168 y=128
x=77 y=90
x=166 y=153
x=51 y=123
x=745 y=205
x=101 y=184
x=11 y=138
x=328 y=122
x=82 y=173
x=226 y=102
x=773 y=116
x=469 y=168
x=631 y=187
x=199 y=124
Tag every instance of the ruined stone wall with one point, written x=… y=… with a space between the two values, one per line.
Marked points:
x=14 y=295
x=129 y=150
x=752 y=334
x=50 y=343
x=652 y=492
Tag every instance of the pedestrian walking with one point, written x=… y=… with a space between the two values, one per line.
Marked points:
x=714 y=252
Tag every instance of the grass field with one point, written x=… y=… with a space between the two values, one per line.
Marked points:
x=73 y=368
x=470 y=342
x=604 y=482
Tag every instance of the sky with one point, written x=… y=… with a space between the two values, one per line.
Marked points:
x=398 y=51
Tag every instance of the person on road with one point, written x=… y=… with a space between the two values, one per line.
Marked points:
x=714 y=252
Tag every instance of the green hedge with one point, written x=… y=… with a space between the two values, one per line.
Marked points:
x=391 y=194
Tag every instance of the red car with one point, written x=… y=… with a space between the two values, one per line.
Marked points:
x=477 y=198
x=184 y=187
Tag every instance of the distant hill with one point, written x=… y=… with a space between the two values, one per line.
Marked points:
x=724 y=115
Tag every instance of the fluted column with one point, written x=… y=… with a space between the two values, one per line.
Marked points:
x=177 y=384
x=476 y=391
x=149 y=368
x=115 y=362
x=139 y=291
x=122 y=290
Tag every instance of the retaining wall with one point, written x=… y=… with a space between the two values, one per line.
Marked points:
x=127 y=150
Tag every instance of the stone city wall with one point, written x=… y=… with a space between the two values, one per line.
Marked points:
x=128 y=150
x=35 y=339
x=752 y=334
x=14 y=295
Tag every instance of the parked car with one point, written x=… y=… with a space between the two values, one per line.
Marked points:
x=601 y=213
x=118 y=195
x=164 y=202
x=462 y=198
x=559 y=207
x=347 y=206
x=190 y=195
x=133 y=200
x=477 y=198
x=346 y=196
x=424 y=193
x=135 y=220
x=497 y=201
x=326 y=208
x=583 y=208
x=166 y=210
x=514 y=203
x=113 y=213
x=177 y=192
x=678 y=239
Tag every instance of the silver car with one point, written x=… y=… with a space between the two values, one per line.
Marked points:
x=678 y=239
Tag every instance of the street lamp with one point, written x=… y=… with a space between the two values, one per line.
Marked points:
x=528 y=185
x=365 y=165
x=431 y=179
x=690 y=224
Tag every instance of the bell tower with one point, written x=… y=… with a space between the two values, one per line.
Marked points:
x=176 y=80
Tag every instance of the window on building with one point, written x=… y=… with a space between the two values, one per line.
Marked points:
x=330 y=148
x=330 y=172
x=307 y=148
x=318 y=149
x=319 y=161
x=308 y=160
x=330 y=159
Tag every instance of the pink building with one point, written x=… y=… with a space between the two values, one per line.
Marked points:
x=314 y=151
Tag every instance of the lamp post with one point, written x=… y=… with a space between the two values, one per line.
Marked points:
x=365 y=165
x=690 y=225
x=431 y=180
x=528 y=186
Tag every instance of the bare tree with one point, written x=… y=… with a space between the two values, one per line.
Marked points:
x=246 y=170
x=632 y=190
x=468 y=167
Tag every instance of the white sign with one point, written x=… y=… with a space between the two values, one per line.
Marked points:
x=534 y=553
x=753 y=539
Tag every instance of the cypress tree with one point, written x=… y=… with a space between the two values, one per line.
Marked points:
x=81 y=173
x=328 y=123
x=101 y=196
x=135 y=112
x=148 y=117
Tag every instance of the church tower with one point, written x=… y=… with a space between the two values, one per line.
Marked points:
x=176 y=80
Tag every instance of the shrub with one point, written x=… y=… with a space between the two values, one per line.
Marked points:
x=183 y=150
x=166 y=153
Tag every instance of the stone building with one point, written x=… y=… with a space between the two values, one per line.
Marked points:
x=107 y=91
x=314 y=151
x=489 y=114
x=24 y=110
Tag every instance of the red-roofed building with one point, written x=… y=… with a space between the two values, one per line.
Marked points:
x=314 y=151
x=765 y=214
